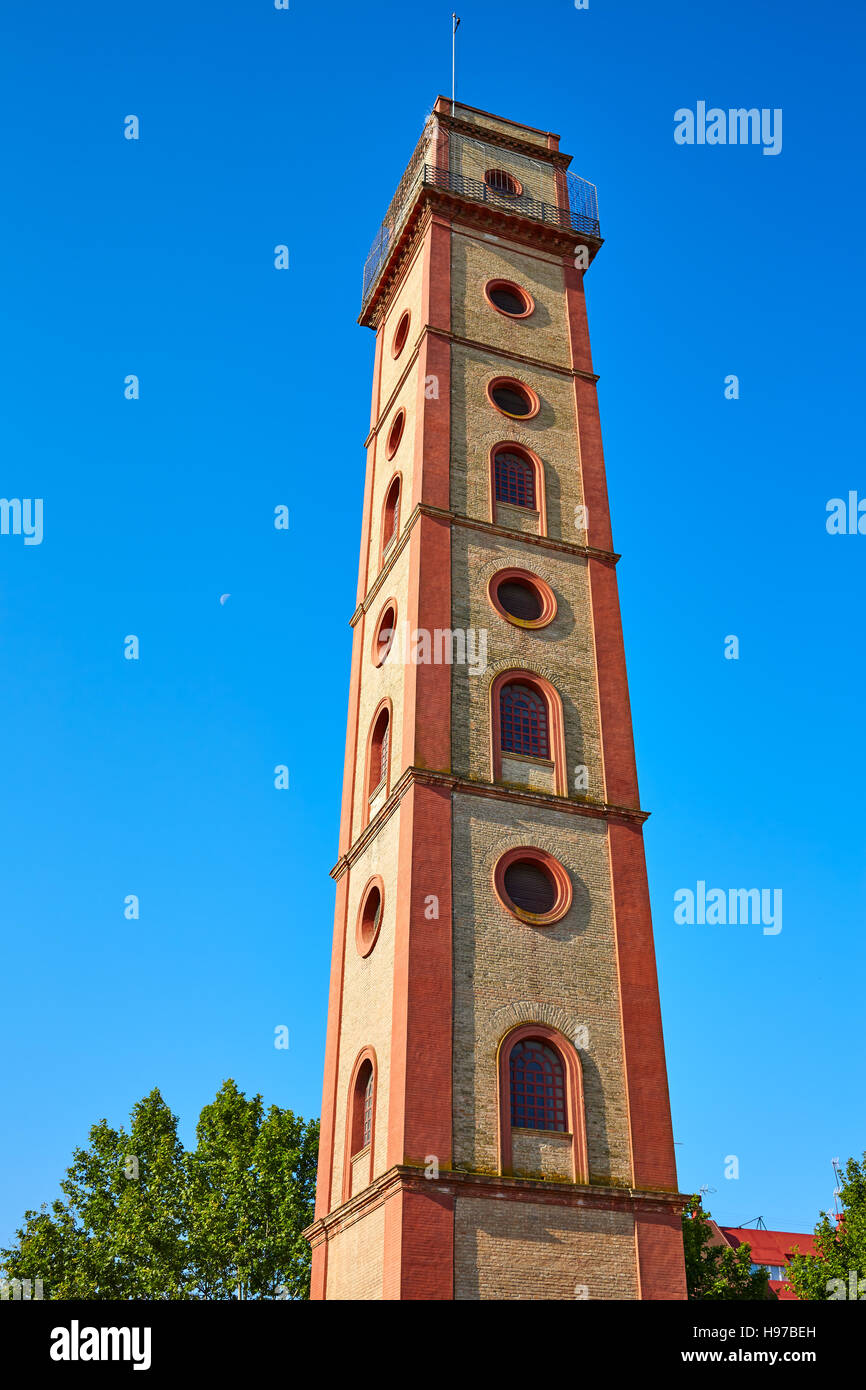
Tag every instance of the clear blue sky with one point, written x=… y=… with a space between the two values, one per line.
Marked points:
x=261 y=127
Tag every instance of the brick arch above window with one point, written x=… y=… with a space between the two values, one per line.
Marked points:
x=573 y=1101
x=554 y=724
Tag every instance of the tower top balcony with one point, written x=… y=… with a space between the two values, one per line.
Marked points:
x=488 y=169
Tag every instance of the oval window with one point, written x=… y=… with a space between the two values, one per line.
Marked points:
x=401 y=334
x=384 y=638
x=533 y=886
x=369 y=918
x=500 y=181
x=513 y=398
x=509 y=298
x=395 y=434
x=522 y=598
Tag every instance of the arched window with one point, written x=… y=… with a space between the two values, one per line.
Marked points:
x=527 y=732
x=362 y=1108
x=360 y=1125
x=379 y=751
x=391 y=515
x=537 y=1086
x=541 y=1090
x=523 y=722
x=515 y=479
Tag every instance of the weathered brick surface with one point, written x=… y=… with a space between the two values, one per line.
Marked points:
x=485 y=121
x=474 y=261
x=519 y=1249
x=563 y=652
x=507 y=973
x=385 y=469
x=476 y=426
x=472 y=159
x=542 y=1155
x=409 y=297
x=356 y=1259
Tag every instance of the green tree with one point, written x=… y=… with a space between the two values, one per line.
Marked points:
x=142 y=1218
x=252 y=1180
x=840 y=1250
x=718 y=1272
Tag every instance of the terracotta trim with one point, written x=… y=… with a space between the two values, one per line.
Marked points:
x=377 y=629
x=471 y=524
x=575 y=1108
x=500 y=284
x=325 y=1172
x=555 y=721
x=365 y=948
x=653 y=1155
x=597 y=810
x=557 y=871
x=534 y=401
x=405 y=317
x=617 y=737
x=545 y=594
x=458 y=1183
x=396 y=431
x=459 y=213
x=419 y=1118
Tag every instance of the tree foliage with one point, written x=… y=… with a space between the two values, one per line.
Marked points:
x=840 y=1251
x=142 y=1218
x=717 y=1272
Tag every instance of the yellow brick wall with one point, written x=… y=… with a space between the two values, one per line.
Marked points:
x=368 y=989
x=563 y=651
x=472 y=158
x=379 y=682
x=507 y=974
x=385 y=468
x=408 y=297
x=356 y=1259
x=476 y=426
x=485 y=122
x=513 y=1250
x=474 y=261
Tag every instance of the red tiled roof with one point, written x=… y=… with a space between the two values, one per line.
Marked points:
x=770 y=1247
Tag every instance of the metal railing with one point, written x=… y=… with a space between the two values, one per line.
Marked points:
x=580 y=216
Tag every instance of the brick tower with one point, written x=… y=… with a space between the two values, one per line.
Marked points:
x=495 y=1121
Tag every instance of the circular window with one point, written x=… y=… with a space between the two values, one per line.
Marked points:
x=369 y=917
x=509 y=298
x=533 y=886
x=401 y=334
x=503 y=182
x=395 y=434
x=384 y=638
x=522 y=598
x=512 y=398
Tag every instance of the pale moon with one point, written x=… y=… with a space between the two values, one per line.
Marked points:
x=223 y=597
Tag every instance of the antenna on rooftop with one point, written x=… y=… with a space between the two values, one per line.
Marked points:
x=760 y=1223
x=455 y=23
x=837 y=1190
